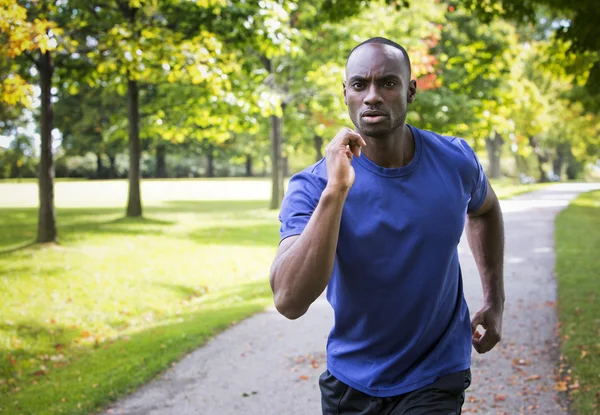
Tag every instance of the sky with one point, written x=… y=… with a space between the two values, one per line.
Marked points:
x=5 y=141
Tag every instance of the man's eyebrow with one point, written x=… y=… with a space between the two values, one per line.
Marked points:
x=356 y=78
x=381 y=78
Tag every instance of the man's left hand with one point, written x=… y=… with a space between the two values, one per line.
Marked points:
x=490 y=318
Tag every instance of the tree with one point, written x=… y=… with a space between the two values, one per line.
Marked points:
x=86 y=120
x=31 y=35
x=472 y=96
x=573 y=22
x=140 y=43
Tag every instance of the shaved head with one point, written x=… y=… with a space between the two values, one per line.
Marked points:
x=384 y=41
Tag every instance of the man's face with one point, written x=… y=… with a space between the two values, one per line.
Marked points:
x=378 y=89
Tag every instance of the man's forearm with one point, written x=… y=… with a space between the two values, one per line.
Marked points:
x=301 y=273
x=485 y=234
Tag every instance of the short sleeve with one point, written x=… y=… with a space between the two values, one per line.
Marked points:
x=478 y=182
x=299 y=203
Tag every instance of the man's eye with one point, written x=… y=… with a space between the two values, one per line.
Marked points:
x=390 y=83
x=357 y=85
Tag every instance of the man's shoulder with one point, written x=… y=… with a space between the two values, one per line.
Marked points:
x=316 y=171
x=448 y=144
x=436 y=138
x=311 y=179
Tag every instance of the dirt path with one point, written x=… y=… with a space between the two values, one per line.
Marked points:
x=268 y=365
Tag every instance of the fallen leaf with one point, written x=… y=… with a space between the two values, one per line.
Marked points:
x=499 y=398
x=574 y=385
x=315 y=364
x=520 y=362
x=561 y=386
x=583 y=354
x=533 y=377
x=303 y=377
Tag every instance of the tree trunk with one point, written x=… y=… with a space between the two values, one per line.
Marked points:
x=562 y=153
x=134 y=203
x=210 y=159
x=318 y=142
x=161 y=164
x=47 y=216
x=541 y=158
x=112 y=170
x=248 y=165
x=276 y=162
x=99 y=166
x=494 y=150
x=286 y=166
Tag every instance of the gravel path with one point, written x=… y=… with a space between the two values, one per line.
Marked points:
x=268 y=365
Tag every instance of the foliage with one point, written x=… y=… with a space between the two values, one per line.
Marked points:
x=475 y=61
x=575 y=23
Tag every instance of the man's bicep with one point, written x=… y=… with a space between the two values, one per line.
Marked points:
x=490 y=201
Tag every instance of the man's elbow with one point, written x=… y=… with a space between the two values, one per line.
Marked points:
x=287 y=308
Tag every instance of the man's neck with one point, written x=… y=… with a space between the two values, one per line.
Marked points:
x=393 y=151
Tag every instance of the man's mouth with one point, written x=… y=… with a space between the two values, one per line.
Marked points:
x=372 y=117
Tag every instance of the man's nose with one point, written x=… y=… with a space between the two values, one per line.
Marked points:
x=372 y=97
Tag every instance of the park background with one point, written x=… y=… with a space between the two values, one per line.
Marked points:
x=146 y=146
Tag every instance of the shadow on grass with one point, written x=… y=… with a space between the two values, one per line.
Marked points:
x=18 y=227
x=207 y=206
x=119 y=367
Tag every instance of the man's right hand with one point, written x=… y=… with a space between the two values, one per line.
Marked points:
x=338 y=155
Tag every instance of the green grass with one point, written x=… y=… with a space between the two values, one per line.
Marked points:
x=118 y=300
x=578 y=270
x=506 y=187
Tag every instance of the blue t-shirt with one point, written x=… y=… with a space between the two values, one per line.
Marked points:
x=401 y=320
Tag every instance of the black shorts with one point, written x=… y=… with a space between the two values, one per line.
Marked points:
x=443 y=397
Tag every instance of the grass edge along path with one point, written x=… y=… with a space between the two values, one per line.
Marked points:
x=577 y=239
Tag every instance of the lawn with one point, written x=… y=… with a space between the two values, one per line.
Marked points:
x=578 y=271
x=119 y=300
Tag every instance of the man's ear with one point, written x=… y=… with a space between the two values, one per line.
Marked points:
x=345 y=98
x=412 y=91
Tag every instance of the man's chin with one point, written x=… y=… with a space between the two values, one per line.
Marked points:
x=374 y=130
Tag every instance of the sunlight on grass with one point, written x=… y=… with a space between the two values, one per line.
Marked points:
x=119 y=299
x=578 y=267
